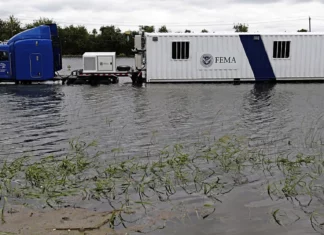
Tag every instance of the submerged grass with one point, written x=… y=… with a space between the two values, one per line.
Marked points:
x=135 y=187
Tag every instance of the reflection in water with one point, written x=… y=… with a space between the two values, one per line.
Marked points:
x=30 y=119
x=140 y=102
x=258 y=102
x=30 y=91
x=262 y=92
x=178 y=107
x=26 y=98
x=265 y=114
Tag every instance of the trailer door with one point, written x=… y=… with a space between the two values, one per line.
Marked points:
x=35 y=65
x=5 y=66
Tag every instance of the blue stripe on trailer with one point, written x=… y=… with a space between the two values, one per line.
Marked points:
x=258 y=57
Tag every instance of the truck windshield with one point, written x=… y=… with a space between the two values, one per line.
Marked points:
x=4 y=56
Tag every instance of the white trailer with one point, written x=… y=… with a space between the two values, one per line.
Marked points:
x=212 y=57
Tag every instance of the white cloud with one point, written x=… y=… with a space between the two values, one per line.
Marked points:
x=177 y=15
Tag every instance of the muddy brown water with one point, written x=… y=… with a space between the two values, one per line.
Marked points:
x=280 y=119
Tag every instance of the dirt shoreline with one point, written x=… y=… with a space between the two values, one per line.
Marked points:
x=21 y=220
x=72 y=221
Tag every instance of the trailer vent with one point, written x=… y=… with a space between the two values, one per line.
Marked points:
x=89 y=63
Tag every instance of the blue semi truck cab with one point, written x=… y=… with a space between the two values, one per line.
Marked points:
x=32 y=55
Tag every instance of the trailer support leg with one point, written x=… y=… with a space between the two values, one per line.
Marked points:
x=137 y=78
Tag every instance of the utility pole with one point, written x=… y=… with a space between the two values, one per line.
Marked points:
x=309 y=27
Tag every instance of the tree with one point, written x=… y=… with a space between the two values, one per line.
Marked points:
x=302 y=30
x=163 y=29
x=94 y=32
x=77 y=39
x=241 y=28
x=187 y=31
x=147 y=29
x=109 y=39
x=13 y=26
x=2 y=30
x=40 y=21
x=204 y=31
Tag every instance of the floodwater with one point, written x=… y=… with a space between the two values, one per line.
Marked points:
x=279 y=119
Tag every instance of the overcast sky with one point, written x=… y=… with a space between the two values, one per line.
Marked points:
x=177 y=15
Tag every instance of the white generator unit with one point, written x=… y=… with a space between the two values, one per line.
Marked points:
x=99 y=62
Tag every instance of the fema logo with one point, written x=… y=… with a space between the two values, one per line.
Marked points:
x=2 y=66
x=206 y=60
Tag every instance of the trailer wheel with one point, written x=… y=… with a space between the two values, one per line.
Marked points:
x=70 y=81
x=25 y=82
x=114 y=79
x=137 y=78
x=94 y=81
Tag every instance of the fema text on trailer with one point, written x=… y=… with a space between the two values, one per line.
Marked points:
x=223 y=60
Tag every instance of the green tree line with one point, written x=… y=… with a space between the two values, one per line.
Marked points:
x=76 y=40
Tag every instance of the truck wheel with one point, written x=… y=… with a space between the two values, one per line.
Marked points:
x=94 y=81
x=114 y=79
x=70 y=81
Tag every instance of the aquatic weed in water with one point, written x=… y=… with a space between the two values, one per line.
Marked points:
x=135 y=187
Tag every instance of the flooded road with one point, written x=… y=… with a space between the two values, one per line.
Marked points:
x=39 y=120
